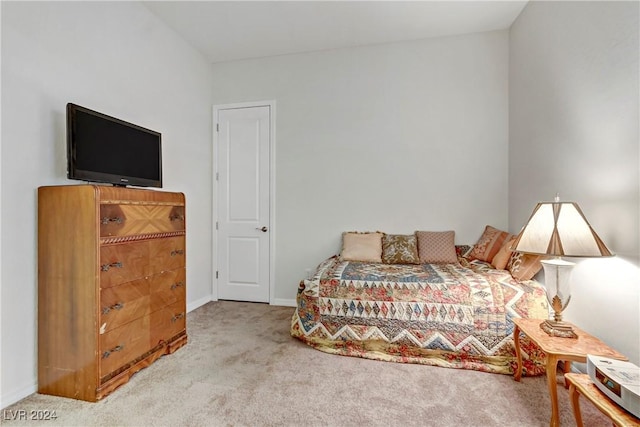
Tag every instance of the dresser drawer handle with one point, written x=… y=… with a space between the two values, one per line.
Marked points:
x=113 y=350
x=177 y=252
x=116 y=306
x=176 y=218
x=177 y=285
x=106 y=220
x=177 y=317
x=106 y=267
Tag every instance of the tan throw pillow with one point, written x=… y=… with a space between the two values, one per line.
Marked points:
x=502 y=257
x=524 y=266
x=400 y=249
x=361 y=247
x=489 y=244
x=437 y=247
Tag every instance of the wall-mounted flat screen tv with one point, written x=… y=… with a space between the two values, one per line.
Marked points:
x=101 y=148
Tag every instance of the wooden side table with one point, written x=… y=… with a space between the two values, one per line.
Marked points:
x=581 y=384
x=558 y=348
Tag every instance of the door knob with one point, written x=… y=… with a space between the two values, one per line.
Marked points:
x=263 y=229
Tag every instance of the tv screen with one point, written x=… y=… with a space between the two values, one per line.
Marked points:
x=101 y=148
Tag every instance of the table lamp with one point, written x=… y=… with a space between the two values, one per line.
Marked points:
x=558 y=229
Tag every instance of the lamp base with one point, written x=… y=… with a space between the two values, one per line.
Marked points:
x=558 y=329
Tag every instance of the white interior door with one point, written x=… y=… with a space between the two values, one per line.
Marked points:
x=243 y=203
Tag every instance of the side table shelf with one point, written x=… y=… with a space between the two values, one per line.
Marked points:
x=581 y=384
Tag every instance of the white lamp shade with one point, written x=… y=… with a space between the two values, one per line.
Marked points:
x=559 y=229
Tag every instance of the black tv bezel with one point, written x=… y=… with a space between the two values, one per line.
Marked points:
x=101 y=177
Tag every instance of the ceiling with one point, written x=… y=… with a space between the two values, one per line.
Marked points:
x=235 y=30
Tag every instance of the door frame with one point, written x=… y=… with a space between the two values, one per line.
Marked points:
x=272 y=191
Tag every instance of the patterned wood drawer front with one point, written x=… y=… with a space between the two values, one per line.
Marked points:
x=122 y=263
x=122 y=345
x=168 y=322
x=167 y=254
x=167 y=288
x=134 y=219
x=120 y=304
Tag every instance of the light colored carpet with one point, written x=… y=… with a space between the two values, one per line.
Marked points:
x=242 y=368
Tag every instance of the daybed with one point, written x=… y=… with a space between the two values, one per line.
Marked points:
x=439 y=304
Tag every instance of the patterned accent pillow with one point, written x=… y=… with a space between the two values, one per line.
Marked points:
x=489 y=244
x=437 y=247
x=524 y=266
x=463 y=250
x=400 y=249
x=365 y=247
x=504 y=254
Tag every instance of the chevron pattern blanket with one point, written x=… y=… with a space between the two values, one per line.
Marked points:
x=457 y=316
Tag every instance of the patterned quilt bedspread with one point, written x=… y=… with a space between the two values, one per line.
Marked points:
x=457 y=316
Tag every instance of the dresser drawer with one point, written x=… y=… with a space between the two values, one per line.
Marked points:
x=167 y=288
x=135 y=219
x=168 y=322
x=121 y=263
x=167 y=254
x=123 y=344
x=120 y=304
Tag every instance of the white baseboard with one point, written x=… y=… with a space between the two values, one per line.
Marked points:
x=579 y=368
x=283 y=302
x=7 y=400
x=198 y=303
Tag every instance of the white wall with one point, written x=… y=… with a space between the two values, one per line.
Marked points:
x=573 y=129
x=394 y=137
x=117 y=58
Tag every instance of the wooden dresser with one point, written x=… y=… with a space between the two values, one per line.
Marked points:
x=111 y=285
